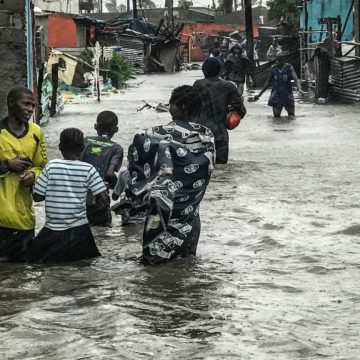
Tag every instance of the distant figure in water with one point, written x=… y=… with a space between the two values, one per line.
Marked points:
x=281 y=93
x=63 y=184
x=169 y=170
x=106 y=156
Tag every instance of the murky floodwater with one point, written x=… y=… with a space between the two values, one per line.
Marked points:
x=277 y=272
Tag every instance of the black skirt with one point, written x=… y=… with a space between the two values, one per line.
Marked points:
x=14 y=244
x=73 y=244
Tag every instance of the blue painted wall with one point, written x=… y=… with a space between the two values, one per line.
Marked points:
x=328 y=8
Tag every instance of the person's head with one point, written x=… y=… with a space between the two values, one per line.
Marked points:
x=236 y=49
x=71 y=143
x=280 y=59
x=184 y=102
x=216 y=44
x=215 y=53
x=106 y=123
x=21 y=104
x=223 y=51
x=211 y=67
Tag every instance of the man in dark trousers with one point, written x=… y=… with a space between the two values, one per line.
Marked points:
x=218 y=98
x=237 y=68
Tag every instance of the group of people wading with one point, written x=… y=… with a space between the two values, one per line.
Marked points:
x=169 y=168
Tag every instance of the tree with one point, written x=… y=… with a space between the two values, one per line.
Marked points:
x=111 y=6
x=185 y=4
x=147 y=4
x=285 y=11
x=122 y=8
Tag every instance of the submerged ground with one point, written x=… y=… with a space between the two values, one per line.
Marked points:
x=277 y=272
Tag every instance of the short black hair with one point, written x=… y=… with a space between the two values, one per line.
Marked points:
x=185 y=96
x=216 y=52
x=106 y=120
x=16 y=93
x=71 y=141
x=211 y=67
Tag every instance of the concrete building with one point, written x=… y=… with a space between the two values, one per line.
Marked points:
x=16 y=48
x=61 y=31
x=63 y=6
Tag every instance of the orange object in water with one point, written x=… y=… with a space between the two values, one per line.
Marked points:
x=232 y=120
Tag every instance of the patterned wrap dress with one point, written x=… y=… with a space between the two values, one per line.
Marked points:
x=170 y=168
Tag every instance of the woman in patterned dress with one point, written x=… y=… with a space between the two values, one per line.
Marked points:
x=169 y=169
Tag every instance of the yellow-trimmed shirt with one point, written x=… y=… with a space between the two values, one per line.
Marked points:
x=16 y=210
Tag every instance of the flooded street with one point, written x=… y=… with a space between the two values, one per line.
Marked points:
x=277 y=272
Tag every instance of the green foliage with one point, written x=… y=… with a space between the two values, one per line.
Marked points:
x=146 y=4
x=120 y=70
x=111 y=6
x=286 y=11
x=185 y=4
x=87 y=56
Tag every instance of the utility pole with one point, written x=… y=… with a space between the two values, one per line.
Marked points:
x=249 y=33
x=170 y=6
x=228 y=4
x=134 y=9
x=357 y=25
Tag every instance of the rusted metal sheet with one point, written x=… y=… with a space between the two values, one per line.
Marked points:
x=345 y=79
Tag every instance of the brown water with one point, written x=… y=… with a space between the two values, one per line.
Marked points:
x=277 y=272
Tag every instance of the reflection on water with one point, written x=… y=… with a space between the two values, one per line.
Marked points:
x=277 y=266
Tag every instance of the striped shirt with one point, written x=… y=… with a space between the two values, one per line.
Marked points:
x=65 y=184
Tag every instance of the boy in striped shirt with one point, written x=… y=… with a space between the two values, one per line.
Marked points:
x=64 y=184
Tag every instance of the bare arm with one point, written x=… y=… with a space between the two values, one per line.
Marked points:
x=294 y=76
x=265 y=87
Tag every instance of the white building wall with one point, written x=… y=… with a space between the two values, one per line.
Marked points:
x=64 y=6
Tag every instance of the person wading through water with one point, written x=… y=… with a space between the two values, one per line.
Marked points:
x=279 y=79
x=22 y=156
x=170 y=167
x=217 y=97
x=106 y=156
x=237 y=68
x=64 y=184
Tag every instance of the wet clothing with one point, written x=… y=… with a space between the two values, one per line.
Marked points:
x=14 y=244
x=222 y=60
x=236 y=68
x=16 y=210
x=217 y=95
x=72 y=244
x=66 y=235
x=222 y=151
x=281 y=93
x=130 y=215
x=102 y=153
x=65 y=183
x=170 y=167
